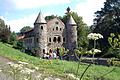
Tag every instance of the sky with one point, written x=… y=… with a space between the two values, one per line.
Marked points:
x=20 y=13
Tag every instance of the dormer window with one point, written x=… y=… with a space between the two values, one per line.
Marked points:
x=42 y=27
x=56 y=22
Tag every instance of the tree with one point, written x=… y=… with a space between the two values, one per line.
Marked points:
x=13 y=40
x=108 y=20
x=25 y=28
x=4 y=31
x=47 y=18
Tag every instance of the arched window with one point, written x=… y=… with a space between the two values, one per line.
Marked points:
x=54 y=39
x=49 y=39
x=57 y=28
x=42 y=27
x=53 y=29
x=59 y=39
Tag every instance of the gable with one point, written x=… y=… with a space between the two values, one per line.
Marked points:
x=55 y=21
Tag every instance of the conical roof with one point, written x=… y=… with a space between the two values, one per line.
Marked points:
x=71 y=21
x=40 y=18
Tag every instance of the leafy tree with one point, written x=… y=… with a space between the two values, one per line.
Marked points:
x=47 y=18
x=4 y=31
x=108 y=20
x=25 y=28
x=13 y=40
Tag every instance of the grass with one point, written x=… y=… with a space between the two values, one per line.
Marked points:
x=59 y=67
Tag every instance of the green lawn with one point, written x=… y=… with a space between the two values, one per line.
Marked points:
x=59 y=67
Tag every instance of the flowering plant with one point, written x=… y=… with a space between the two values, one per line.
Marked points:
x=94 y=36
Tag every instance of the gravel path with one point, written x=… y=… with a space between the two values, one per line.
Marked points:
x=3 y=61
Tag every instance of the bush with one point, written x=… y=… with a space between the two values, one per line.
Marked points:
x=114 y=62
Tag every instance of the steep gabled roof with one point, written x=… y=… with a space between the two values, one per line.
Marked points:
x=71 y=21
x=50 y=22
x=40 y=19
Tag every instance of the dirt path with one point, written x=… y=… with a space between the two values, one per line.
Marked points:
x=3 y=62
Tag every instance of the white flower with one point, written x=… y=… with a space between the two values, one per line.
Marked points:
x=20 y=62
x=16 y=66
x=96 y=51
x=0 y=70
x=39 y=76
x=94 y=36
x=10 y=63
x=27 y=71
x=93 y=51
x=25 y=79
x=73 y=76
x=36 y=68
x=49 y=78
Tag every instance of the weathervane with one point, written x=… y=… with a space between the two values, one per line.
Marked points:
x=68 y=10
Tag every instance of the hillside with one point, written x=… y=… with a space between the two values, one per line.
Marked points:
x=58 y=68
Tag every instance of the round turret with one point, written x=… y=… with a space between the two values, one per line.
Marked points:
x=40 y=31
x=71 y=34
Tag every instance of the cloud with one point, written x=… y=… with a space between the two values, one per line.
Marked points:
x=19 y=23
x=28 y=4
x=1 y=17
x=86 y=9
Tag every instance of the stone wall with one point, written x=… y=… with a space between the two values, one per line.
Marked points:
x=56 y=33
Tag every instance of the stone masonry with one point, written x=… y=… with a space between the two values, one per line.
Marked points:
x=46 y=36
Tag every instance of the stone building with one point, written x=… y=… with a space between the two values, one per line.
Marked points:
x=46 y=36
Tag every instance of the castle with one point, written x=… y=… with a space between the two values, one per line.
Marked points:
x=46 y=36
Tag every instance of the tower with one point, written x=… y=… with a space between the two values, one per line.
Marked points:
x=71 y=34
x=40 y=32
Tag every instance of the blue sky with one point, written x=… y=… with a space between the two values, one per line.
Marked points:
x=20 y=13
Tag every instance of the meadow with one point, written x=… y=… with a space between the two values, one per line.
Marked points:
x=59 y=68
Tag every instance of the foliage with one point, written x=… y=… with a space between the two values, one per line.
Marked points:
x=13 y=40
x=25 y=28
x=4 y=31
x=63 y=51
x=114 y=62
x=114 y=41
x=47 y=18
x=107 y=20
x=59 y=67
